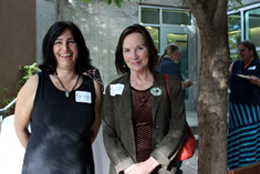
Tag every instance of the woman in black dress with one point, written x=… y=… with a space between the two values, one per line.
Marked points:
x=61 y=105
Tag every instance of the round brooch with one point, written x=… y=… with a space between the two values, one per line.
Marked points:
x=156 y=91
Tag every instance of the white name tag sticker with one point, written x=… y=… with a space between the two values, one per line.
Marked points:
x=116 y=89
x=252 y=68
x=83 y=97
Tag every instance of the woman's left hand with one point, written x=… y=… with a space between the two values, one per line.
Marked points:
x=138 y=168
x=254 y=80
x=145 y=167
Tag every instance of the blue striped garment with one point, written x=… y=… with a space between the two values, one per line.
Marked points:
x=244 y=135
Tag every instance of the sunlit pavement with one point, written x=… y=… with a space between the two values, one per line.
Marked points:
x=190 y=166
x=12 y=152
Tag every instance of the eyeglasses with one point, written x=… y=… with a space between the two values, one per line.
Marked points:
x=241 y=51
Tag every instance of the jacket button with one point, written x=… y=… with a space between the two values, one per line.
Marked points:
x=156 y=126
x=156 y=144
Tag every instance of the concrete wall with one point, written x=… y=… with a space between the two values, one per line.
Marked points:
x=46 y=14
x=245 y=2
x=17 y=40
x=102 y=24
x=23 y=25
x=249 y=2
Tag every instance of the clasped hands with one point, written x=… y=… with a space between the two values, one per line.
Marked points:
x=145 y=167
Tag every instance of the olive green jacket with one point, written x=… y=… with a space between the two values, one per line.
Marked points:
x=169 y=125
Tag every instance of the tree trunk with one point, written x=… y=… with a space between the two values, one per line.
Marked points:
x=212 y=102
x=213 y=83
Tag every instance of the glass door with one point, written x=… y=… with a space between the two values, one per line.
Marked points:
x=184 y=37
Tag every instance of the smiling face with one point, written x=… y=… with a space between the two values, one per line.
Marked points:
x=135 y=52
x=65 y=50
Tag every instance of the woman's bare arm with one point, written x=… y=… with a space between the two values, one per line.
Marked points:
x=23 y=109
x=98 y=103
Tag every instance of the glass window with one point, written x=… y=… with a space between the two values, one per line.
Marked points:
x=155 y=34
x=252 y=26
x=182 y=41
x=176 y=17
x=149 y=16
x=234 y=30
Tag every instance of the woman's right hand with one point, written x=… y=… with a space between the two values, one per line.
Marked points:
x=254 y=80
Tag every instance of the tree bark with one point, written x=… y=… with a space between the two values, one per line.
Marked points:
x=213 y=83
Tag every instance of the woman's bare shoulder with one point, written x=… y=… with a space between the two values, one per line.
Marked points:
x=29 y=87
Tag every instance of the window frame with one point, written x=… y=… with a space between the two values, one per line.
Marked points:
x=242 y=11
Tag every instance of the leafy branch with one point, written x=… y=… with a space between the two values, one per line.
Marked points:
x=28 y=71
x=235 y=4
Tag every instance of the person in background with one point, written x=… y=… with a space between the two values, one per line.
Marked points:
x=142 y=133
x=94 y=74
x=244 y=108
x=61 y=105
x=169 y=64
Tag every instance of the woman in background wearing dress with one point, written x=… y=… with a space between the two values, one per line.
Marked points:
x=244 y=108
x=61 y=105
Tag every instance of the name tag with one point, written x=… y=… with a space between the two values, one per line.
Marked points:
x=116 y=89
x=83 y=97
x=252 y=68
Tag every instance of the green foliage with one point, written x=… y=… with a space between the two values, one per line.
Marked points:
x=3 y=92
x=5 y=100
x=235 y=4
x=88 y=1
x=28 y=71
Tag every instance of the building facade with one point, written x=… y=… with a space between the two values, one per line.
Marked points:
x=24 y=24
x=244 y=24
x=166 y=21
x=17 y=41
x=101 y=25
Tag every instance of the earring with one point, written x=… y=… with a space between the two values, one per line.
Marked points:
x=124 y=65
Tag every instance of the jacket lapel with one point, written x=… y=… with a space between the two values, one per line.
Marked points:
x=126 y=106
x=128 y=117
x=159 y=82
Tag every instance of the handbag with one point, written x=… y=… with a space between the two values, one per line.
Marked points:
x=188 y=147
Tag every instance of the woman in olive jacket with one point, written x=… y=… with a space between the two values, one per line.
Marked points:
x=142 y=130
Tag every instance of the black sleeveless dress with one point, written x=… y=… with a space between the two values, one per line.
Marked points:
x=60 y=140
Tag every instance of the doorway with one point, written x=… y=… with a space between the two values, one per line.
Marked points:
x=184 y=37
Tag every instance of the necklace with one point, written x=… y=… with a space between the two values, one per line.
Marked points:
x=67 y=93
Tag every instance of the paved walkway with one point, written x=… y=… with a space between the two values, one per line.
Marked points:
x=190 y=166
x=12 y=152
